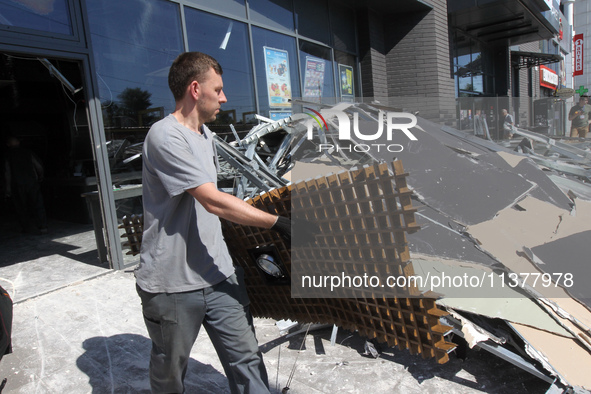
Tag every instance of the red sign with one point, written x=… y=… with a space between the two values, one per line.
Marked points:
x=578 y=42
x=548 y=78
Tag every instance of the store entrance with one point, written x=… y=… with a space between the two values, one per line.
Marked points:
x=43 y=111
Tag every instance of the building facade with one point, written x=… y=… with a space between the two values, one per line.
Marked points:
x=582 y=27
x=83 y=80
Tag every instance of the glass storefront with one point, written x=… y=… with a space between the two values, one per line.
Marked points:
x=472 y=67
x=312 y=20
x=276 y=14
x=134 y=43
x=277 y=74
x=44 y=16
x=227 y=41
x=271 y=51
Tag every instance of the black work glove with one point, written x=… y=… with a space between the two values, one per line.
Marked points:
x=283 y=227
x=305 y=231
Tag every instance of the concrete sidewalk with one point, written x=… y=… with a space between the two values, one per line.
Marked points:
x=78 y=328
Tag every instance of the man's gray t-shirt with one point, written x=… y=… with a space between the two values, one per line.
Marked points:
x=182 y=246
x=582 y=119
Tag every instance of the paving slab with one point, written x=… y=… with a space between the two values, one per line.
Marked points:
x=89 y=337
x=78 y=328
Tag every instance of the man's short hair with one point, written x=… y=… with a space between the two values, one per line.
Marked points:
x=189 y=67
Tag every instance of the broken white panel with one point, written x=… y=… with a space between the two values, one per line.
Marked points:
x=499 y=302
x=535 y=223
x=563 y=357
x=472 y=333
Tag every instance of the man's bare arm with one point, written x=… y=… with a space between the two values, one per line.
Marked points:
x=231 y=208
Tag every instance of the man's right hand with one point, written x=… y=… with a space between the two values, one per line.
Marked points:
x=305 y=231
x=283 y=227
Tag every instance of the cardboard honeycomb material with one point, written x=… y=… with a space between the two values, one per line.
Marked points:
x=365 y=206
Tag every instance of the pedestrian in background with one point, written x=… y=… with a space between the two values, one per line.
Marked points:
x=508 y=124
x=579 y=117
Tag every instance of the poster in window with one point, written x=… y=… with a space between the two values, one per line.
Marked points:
x=278 y=79
x=278 y=115
x=314 y=78
x=346 y=82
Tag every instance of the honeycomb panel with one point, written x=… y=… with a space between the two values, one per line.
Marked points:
x=369 y=206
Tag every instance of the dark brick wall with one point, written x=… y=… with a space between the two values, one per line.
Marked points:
x=405 y=61
x=372 y=54
x=524 y=118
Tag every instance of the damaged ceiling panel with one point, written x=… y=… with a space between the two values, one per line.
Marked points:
x=441 y=237
x=550 y=258
x=527 y=225
x=564 y=357
x=507 y=202
x=457 y=140
x=488 y=211
x=545 y=189
x=484 y=211
x=513 y=232
x=455 y=184
x=539 y=220
x=515 y=307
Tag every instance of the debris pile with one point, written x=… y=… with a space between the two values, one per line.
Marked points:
x=505 y=228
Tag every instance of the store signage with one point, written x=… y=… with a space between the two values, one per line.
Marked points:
x=565 y=93
x=548 y=78
x=581 y=90
x=578 y=54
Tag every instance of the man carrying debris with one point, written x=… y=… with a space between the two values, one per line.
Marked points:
x=186 y=277
x=579 y=116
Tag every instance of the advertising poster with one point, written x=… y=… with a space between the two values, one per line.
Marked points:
x=314 y=78
x=346 y=81
x=278 y=80
x=278 y=115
